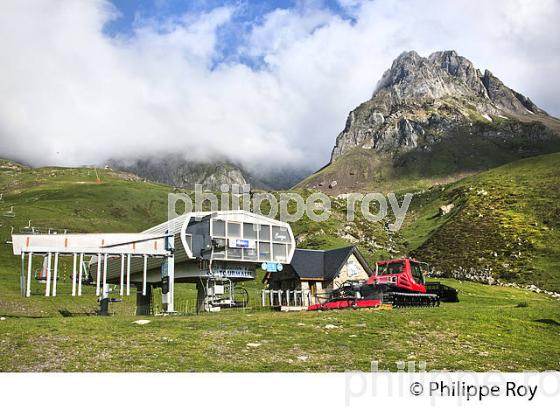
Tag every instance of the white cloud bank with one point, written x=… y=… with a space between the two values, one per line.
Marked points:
x=72 y=95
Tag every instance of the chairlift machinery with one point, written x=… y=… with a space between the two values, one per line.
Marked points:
x=214 y=250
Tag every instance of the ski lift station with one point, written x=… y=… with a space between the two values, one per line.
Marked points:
x=213 y=250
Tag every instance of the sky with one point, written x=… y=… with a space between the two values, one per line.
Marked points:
x=267 y=84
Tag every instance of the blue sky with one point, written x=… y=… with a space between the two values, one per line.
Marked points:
x=248 y=10
x=247 y=14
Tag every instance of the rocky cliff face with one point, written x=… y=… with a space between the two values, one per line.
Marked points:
x=176 y=171
x=418 y=97
x=434 y=119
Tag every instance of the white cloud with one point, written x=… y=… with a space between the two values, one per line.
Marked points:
x=72 y=95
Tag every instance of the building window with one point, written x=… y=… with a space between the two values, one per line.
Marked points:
x=249 y=231
x=234 y=253
x=280 y=235
x=264 y=251
x=218 y=228
x=234 y=230
x=219 y=247
x=352 y=269
x=279 y=251
x=264 y=233
x=249 y=254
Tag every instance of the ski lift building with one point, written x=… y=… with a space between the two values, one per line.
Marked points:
x=201 y=247
x=228 y=244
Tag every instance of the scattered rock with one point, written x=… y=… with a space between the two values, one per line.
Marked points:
x=254 y=344
x=329 y=326
x=445 y=209
x=303 y=358
x=142 y=322
x=534 y=288
x=484 y=275
x=481 y=275
x=333 y=184
x=2 y=318
x=349 y=238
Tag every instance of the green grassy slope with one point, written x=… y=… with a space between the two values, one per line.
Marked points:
x=462 y=150
x=485 y=331
x=362 y=170
x=70 y=198
x=506 y=219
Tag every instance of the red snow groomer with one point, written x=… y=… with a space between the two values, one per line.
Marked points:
x=400 y=283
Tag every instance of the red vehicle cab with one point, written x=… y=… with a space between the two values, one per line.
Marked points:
x=399 y=282
x=403 y=274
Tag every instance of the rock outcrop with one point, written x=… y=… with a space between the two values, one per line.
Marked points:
x=178 y=172
x=430 y=119
x=420 y=96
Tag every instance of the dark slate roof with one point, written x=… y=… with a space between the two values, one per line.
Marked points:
x=323 y=265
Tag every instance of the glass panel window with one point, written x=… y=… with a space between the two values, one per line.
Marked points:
x=218 y=228
x=219 y=245
x=395 y=268
x=417 y=273
x=219 y=255
x=264 y=251
x=249 y=231
x=234 y=230
x=279 y=252
x=264 y=233
x=234 y=253
x=280 y=235
x=250 y=254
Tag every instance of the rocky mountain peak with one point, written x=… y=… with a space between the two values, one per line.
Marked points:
x=442 y=73
x=505 y=98
x=461 y=68
x=421 y=94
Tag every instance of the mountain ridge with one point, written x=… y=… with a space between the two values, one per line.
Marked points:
x=426 y=110
x=180 y=172
x=175 y=171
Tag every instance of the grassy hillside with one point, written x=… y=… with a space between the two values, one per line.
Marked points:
x=362 y=170
x=70 y=198
x=479 y=145
x=485 y=331
x=506 y=220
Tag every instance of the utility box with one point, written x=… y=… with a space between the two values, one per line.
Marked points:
x=216 y=290
x=165 y=285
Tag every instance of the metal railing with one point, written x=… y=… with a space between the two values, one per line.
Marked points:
x=288 y=298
